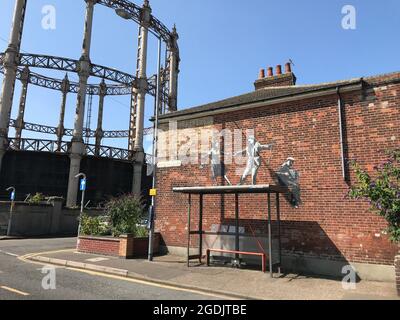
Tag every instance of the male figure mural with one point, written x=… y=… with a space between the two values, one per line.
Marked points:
x=289 y=177
x=253 y=151
x=217 y=166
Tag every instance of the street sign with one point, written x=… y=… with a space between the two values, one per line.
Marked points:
x=83 y=185
x=153 y=192
x=12 y=197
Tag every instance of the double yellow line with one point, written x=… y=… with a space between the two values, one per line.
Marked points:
x=14 y=291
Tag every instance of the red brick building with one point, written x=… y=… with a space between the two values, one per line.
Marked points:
x=323 y=127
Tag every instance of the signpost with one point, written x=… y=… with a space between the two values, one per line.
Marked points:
x=12 y=198
x=82 y=187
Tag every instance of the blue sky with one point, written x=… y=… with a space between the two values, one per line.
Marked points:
x=223 y=45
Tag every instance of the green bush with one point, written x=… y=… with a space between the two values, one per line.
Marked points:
x=94 y=226
x=383 y=192
x=37 y=198
x=125 y=214
x=141 y=232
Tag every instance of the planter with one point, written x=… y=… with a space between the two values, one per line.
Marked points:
x=124 y=247
x=397 y=268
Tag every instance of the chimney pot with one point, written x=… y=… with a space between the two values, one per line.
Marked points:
x=278 y=70
x=270 y=72
x=288 y=68
x=262 y=74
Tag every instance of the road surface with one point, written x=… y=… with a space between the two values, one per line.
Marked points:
x=23 y=280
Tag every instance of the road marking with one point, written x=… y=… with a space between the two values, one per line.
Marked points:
x=9 y=253
x=97 y=259
x=26 y=257
x=15 y=291
x=148 y=283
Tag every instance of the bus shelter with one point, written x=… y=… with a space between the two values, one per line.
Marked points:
x=268 y=190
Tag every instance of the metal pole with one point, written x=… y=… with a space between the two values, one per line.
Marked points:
x=278 y=214
x=155 y=151
x=189 y=229
x=270 y=236
x=12 y=189
x=201 y=228
x=82 y=204
x=237 y=248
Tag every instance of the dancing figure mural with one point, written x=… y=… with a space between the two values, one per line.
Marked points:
x=217 y=166
x=253 y=152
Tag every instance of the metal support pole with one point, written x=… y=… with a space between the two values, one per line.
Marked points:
x=189 y=229
x=201 y=228
x=78 y=147
x=10 y=69
x=60 y=129
x=278 y=216
x=99 y=130
x=22 y=104
x=83 y=176
x=155 y=151
x=237 y=241
x=270 y=236
x=12 y=189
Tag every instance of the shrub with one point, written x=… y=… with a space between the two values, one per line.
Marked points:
x=94 y=226
x=141 y=232
x=37 y=198
x=383 y=192
x=125 y=214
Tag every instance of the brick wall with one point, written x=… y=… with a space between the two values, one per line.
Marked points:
x=397 y=268
x=106 y=246
x=327 y=224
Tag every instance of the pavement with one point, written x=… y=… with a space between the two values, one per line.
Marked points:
x=171 y=273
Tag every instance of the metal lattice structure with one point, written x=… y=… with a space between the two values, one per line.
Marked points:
x=20 y=66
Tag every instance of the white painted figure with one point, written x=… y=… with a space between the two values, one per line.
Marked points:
x=253 y=152
x=217 y=166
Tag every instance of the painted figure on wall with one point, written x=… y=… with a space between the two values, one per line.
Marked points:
x=217 y=166
x=289 y=177
x=253 y=152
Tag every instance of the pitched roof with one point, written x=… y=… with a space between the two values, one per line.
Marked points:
x=271 y=93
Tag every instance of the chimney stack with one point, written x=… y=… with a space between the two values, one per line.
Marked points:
x=278 y=70
x=262 y=74
x=278 y=80
x=288 y=68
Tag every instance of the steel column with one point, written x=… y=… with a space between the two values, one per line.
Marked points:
x=99 y=130
x=10 y=69
x=138 y=101
x=78 y=147
x=60 y=129
x=22 y=104
x=173 y=71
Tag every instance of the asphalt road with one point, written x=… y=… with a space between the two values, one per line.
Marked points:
x=23 y=280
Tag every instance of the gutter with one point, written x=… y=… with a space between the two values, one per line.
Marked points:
x=341 y=130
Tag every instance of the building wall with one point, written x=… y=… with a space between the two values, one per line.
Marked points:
x=327 y=225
